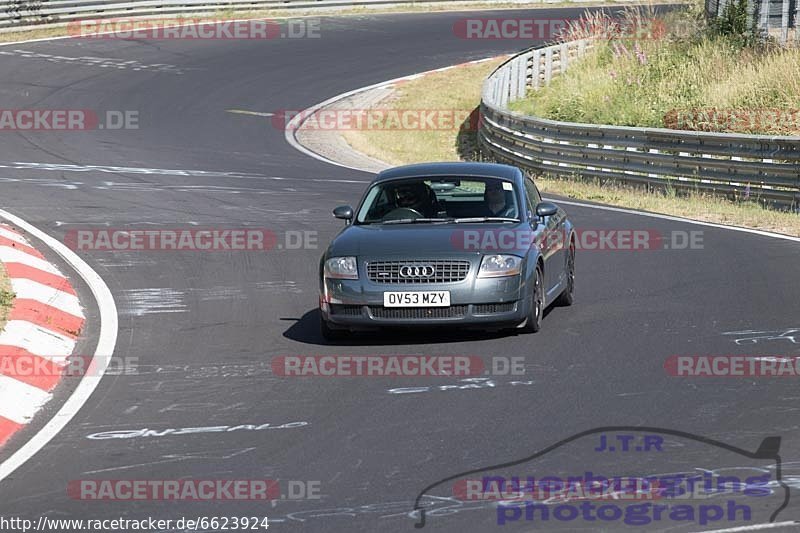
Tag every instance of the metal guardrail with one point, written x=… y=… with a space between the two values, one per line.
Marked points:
x=761 y=166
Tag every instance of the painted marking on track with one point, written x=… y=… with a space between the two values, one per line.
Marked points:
x=245 y=112
x=146 y=432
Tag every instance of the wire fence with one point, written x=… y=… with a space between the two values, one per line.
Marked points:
x=777 y=18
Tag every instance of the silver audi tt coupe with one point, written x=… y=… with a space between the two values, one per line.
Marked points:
x=463 y=244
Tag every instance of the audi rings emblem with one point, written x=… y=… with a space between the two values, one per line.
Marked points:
x=417 y=271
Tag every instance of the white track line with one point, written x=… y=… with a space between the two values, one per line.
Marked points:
x=755 y=527
x=681 y=219
x=107 y=339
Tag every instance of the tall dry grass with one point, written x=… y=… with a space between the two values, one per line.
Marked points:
x=646 y=67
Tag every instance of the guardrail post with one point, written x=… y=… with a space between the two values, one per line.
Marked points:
x=785 y=22
x=563 y=56
x=536 y=68
x=751 y=12
x=514 y=84
x=797 y=24
x=764 y=24
x=522 y=76
x=503 y=100
x=548 y=64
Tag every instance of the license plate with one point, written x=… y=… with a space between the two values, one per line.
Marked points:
x=417 y=299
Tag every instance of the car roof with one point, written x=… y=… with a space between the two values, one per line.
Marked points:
x=458 y=169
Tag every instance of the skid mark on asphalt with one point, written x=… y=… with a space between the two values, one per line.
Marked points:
x=140 y=302
x=100 y=62
x=179 y=457
x=786 y=335
x=222 y=293
x=279 y=287
x=200 y=371
x=125 y=260
x=157 y=300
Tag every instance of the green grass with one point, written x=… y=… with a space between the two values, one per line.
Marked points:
x=639 y=82
x=6 y=296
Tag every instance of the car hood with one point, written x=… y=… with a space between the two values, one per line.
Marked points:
x=411 y=240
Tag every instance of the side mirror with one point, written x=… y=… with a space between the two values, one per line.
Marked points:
x=344 y=212
x=546 y=209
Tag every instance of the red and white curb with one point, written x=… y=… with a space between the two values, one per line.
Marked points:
x=40 y=334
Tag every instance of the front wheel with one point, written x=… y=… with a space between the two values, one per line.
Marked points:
x=536 y=311
x=566 y=298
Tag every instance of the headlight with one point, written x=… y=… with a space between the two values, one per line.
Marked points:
x=341 y=268
x=495 y=266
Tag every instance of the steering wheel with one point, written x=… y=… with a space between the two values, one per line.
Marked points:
x=508 y=212
x=402 y=212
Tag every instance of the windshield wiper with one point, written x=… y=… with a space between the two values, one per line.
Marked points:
x=417 y=220
x=485 y=219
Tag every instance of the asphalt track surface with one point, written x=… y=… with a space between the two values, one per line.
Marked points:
x=205 y=326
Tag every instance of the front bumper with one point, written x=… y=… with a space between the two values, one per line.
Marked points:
x=481 y=302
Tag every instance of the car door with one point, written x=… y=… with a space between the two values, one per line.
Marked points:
x=549 y=237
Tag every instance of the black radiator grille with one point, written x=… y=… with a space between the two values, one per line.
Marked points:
x=443 y=271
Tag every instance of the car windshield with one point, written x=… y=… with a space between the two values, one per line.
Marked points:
x=439 y=200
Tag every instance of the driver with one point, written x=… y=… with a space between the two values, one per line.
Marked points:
x=412 y=196
x=495 y=198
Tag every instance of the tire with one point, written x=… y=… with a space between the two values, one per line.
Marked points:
x=328 y=333
x=566 y=298
x=536 y=311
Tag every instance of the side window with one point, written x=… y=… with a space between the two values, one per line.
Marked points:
x=534 y=198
